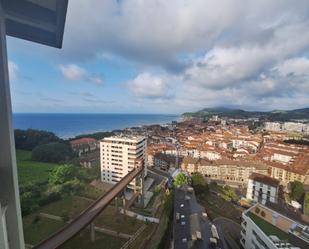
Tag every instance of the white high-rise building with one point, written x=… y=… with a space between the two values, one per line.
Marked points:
x=119 y=155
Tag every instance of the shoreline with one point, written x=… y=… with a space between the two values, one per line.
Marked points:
x=72 y=135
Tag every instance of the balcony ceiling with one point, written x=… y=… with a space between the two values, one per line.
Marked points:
x=40 y=21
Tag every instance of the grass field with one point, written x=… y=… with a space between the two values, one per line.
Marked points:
x=34 y=232
x=109 y=218
x=70 y=206
x=31 y=171
x=91 y=192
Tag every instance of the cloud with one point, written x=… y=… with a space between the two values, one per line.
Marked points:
x=149 y=86
x=193 y=54
x=74 y=72
x=158 y=32
x=13 y=70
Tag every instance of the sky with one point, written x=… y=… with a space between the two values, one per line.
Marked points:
x=158 y=56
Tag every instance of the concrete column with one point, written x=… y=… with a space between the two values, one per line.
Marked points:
x=3 y=233
x=116 y=203
x=9 y=191
x=92 y=232
x=124 y=204
x=142 y=189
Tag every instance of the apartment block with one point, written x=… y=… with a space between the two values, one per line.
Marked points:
x=262 y=188
x=230 y=171
x=265 y=228
x=119 y=155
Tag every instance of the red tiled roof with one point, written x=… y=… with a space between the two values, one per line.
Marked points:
x=84 y=140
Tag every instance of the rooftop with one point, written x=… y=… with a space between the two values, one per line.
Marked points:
x=275 y=224
x=124 y=138
x=264 y=179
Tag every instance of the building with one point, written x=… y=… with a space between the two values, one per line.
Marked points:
x=287 y=127
x=230 y=171
x=164 y=161
x=286 y=174
x=119 y=155
x=84 y=145
x=262 y=188
x=263 y=227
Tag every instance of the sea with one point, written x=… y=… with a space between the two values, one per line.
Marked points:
x=70 y=125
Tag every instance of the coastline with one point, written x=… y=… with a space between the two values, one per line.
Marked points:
x=68 y=126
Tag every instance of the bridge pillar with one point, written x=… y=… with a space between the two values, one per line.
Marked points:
x=116 y=203
x=92 y=232
x=142 y=189
x=124 y=204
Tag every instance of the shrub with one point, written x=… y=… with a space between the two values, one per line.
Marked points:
x=297 y=191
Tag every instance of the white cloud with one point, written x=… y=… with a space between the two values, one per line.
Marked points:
x=13 y=70
x=74 y=72
x=149 y=86
x=294 y=66
x=197 y=53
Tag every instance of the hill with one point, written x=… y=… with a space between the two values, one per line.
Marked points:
x=276 y=115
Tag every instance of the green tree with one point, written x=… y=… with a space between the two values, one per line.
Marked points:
x=52 y=152
x=62 y=174
x=29 y=139
x=199 y=183
x=297 y=191
x=228 y=194
x=181 y=179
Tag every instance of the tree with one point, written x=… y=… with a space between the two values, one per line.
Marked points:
x=181 y=179
x=62 y=174
x=199 y=183
x=229 y=194
x=297 y=191
x=29 y=139
x=52 y=152
x=97 y=135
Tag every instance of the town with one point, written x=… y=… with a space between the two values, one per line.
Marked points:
x=154 y=124
x=215 y=183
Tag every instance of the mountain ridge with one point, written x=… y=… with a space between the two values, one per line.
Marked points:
x=275 y=115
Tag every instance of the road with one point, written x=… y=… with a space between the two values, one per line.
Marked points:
x=88 y=215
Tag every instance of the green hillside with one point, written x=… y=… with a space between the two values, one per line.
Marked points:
x=276 y=115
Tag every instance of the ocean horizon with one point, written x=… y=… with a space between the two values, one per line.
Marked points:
x=68 y=125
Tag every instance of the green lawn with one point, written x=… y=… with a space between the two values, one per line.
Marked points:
x=35 y=232
x=71 y=206
x=268 y=228
x=102 y=241
x=109 y=218
x=31 y=171
x=91 y=192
